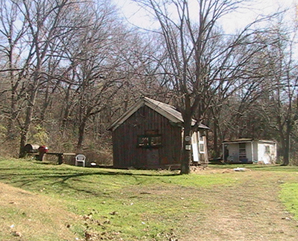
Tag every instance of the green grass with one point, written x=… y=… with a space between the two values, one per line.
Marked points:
x=131 y=204
x=288 y=195
x=136 y=204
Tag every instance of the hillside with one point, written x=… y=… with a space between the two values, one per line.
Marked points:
x=29 y=216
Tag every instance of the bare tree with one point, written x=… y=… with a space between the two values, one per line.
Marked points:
x=202 y=61
x=282 y=107
x=43 y=23
x=12 y=31
x=237 y=114
x=142 y=56
x=93 y=62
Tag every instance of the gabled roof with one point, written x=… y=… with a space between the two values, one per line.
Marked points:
x=165 y=110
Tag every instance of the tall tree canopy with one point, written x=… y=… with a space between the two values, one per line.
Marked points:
x=202 y=61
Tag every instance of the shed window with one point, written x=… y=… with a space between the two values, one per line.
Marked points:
x=201 y=148
x=149 y=141
x=267 y=149
x=201 y=143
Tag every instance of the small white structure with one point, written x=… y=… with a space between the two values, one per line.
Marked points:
x=250 y=151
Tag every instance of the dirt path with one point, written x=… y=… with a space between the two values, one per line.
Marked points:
x=250 y=211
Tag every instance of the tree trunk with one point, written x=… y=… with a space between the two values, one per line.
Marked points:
x=186 y=147
x=215 y=139
x=11 y=130
x=186 y=155
x=32 y=92
x=22 y=144
x=81 y=135
x=25 y=129
x=286 y=145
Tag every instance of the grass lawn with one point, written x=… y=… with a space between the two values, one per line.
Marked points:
x=118 y=204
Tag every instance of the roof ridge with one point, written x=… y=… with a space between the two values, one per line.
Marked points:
x=168 y=111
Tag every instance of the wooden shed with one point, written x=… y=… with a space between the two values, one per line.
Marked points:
x=247 y=150
x=149 y=136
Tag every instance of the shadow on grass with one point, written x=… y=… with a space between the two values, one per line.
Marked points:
x=60 y=179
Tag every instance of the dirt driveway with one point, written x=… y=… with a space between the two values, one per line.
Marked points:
x=248 y=211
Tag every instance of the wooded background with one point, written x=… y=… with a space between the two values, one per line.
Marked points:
x=69 y=68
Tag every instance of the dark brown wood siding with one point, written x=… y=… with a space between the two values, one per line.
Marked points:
x=125 y=144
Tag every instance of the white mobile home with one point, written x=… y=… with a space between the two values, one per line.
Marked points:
x=250 y=151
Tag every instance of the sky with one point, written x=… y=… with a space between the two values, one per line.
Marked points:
x=136 y=16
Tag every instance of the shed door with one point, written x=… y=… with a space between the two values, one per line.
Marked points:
x=152 y=157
